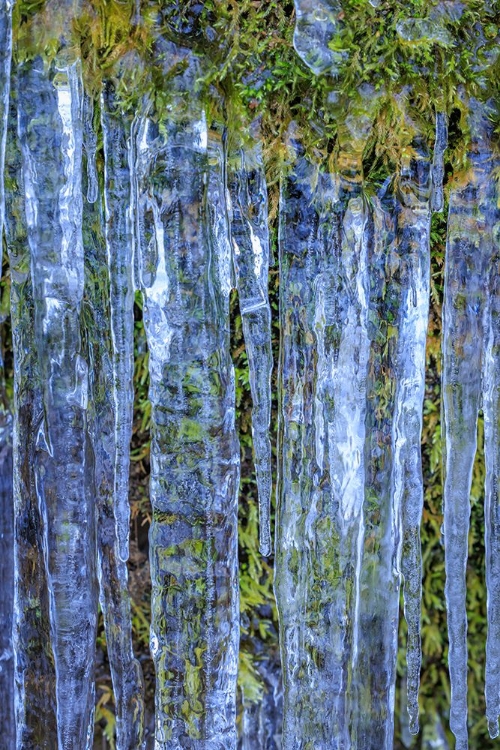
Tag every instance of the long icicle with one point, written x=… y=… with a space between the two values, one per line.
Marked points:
x=468 y=253
x=126 y=674
x=34 y=684
x=5 y=62
x=194 y=449
x=50 y=102
x=120 y=262
x=490 y=202
x=250 y=238
x=7 y=726
x=413 y=229
x=319 y=485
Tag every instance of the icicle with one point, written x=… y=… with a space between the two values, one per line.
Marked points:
x=50 y=128
x=120 y=262
x=468 y=257
x=489 y=204
x=440 y=145
x=7 y=727
x=194 y=448
x=316 y=26
x=323 y=332
x=379 y=579
x=90 y=146
x=5 y=60
x=126 y=672
x=413 y=228
x=34 y=685
x=250 y=238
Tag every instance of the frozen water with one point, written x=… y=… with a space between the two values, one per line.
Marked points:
x=119 y=243
x=50 y=130
x=126 y=672
x=194 y=448
x=7 y=727
x=317 y=23
x=34 y=685
x=465 y=314
x=440 y=145
x=250 y=238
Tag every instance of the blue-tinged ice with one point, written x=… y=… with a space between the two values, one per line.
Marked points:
x=34 y=684
x=465 y=326
x=250 y=240
x=7 y=728
x=119 y=243
x=126 y=674
x=440 y=145
x=194 y=448
x=51 y=130
x=317 y=24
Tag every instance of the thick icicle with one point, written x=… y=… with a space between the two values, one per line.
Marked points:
x=490 y=208
x=468 y=255
x=119 y=245
x=5 y=59
x=413 y=229
x=7 y=724
x=50 y=128
x=323 y=306
x=440 y=145
x=250 y=237
x=34 y=686
x=379 y=577
x=194 y=449
x=113 y=578
x=7 y=727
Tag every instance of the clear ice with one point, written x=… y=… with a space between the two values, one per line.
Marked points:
x=318 y=22
x=50 y=132
x=126 y=673
x=119 y=243
x=469 y=381
x=7 y=725
x=34 y=684
x=354 y=283
x=250 y=246
x=194 y=447
x=440 y=145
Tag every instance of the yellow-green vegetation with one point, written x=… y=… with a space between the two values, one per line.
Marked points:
x=398 y=76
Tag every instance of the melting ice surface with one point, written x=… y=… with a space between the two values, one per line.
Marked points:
x=470 y=372
x=190 y=214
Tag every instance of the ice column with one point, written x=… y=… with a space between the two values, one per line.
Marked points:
x=466 y=323
x=323 y=311
x=50 y=129
x=116 y=131
x=34 y=685
x=194 y=449
x=413 y=229
x=250 y=239
x=126 y=673
x=486 y=163
x=7 y=728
